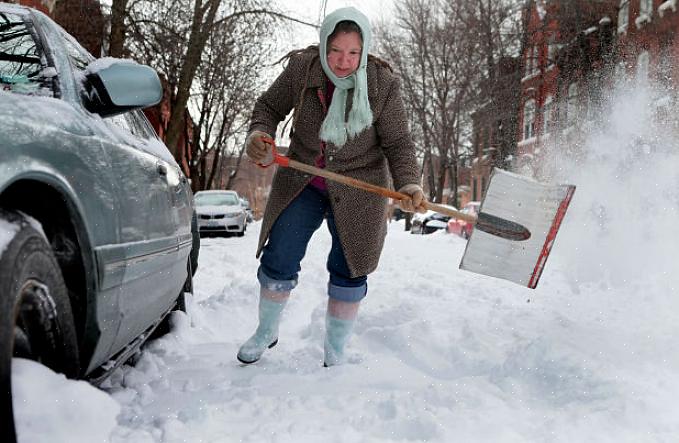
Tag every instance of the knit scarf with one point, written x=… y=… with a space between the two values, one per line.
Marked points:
x=335 y=129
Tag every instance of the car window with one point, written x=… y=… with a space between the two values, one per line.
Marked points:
x=140 y=125
x=133 y=122
x=21 y=68
x=216 y=200
x=77 y=55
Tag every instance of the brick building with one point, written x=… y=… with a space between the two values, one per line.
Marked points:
x=573 y=50
x=648 y=40
x=566 y=49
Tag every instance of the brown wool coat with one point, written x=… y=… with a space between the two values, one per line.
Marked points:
x=381 y=151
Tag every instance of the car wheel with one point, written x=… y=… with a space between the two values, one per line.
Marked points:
x=36 y=320
x=464 y=234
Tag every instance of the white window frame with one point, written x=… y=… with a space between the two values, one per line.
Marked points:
x=572 y=104
x=623 y=16
x=645 y=12
x=529 y=119
x=667 y=4
x=620 y=71
x=536 y=60
x=547 y=114
x=643 y=61
x=552 y=50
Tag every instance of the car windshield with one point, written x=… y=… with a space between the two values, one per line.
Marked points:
x=20 y=67
x=217 y=200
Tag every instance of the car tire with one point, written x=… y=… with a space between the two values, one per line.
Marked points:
x=36 y=319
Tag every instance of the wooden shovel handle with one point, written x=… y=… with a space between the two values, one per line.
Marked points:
x=349 y=181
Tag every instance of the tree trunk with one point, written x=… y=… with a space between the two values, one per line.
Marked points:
x=200 y=30
x=117 y=38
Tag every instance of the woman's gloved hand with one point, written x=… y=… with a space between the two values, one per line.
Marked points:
x=256 y=148
x=416 y=201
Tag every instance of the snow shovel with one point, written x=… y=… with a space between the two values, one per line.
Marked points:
x=503 y=248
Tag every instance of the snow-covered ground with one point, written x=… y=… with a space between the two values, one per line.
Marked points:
x=439 y=354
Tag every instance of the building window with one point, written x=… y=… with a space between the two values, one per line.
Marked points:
x=645 y=12
x=547 y=121
x=528 y=119
x=552 y=49
x=572 y=105
x=623 y=16
x=666 y=63
x=642 y=68
x=532 y=61
x=620 y=71
x=528 y=68
x=536 y=67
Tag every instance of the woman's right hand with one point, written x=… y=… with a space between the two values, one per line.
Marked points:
x=417 y=200
x=256 y=148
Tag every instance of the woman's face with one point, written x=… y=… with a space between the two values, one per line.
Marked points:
x=344 y=53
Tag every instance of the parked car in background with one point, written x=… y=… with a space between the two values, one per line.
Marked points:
x=429 y=221
x=220 y=212
x=95 y=214
x=461 y=227
x=245 y=203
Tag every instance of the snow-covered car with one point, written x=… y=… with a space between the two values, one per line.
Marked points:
x=461 y=227
x=96 y=244
x=220 y=212
x=429 y=221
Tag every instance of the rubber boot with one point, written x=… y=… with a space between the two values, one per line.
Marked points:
x=339 y=322
x=271 y=304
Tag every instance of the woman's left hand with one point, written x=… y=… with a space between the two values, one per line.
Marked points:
x=416 y=202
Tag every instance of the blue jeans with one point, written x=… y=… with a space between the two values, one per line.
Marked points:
x=288 y=240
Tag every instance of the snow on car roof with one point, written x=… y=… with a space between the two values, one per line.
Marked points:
x=14 y=8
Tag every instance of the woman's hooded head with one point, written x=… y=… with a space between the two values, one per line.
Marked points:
x=334 y=128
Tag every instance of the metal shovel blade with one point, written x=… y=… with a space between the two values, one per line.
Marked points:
x=536 y=208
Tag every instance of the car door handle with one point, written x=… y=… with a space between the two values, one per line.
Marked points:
x=162 y=169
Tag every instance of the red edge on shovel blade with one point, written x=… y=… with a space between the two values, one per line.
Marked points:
x=549 y=241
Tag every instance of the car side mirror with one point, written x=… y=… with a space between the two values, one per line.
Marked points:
x=113 y=86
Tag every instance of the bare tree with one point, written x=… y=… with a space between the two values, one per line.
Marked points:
x=226 y=92
x=438 y=61
x=172 y=36
x=500 y=32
